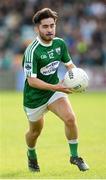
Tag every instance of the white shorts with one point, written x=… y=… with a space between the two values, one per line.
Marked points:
x=35 y=114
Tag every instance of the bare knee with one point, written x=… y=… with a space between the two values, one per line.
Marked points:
x=70 y=120
x=33 y=134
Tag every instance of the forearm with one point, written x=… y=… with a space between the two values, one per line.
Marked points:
x=39 y=84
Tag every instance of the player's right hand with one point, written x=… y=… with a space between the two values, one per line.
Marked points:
x=60 y=87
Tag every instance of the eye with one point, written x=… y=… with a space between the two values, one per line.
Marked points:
x=45 y=26
x=52 y=25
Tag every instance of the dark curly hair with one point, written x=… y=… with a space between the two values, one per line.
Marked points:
x=43 y=14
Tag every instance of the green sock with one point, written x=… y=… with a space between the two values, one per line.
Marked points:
x=73 y=144
x=32 y=153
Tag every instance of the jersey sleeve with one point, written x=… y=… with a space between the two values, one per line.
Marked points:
x=66 y=58
x=30 y=63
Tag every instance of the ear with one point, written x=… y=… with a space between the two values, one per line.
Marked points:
x=36 y=28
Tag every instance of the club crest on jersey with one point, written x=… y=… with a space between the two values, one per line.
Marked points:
x=28 y=65
x=50 y=68
x=58 y=50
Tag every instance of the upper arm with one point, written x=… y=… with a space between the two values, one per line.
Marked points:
x=66 y=58
x=30 y=63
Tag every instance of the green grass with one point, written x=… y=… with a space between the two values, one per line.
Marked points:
x=53 y=150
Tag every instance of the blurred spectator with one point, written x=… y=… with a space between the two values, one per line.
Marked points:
x=82 y=24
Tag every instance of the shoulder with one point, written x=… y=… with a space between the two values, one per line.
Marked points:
x=59 y=41
x=32 y=47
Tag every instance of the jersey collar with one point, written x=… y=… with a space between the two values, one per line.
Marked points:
x=42 y=43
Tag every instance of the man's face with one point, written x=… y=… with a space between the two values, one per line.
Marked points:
x=46 y=29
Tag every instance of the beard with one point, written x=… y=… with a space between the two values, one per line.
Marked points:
x=47 y=38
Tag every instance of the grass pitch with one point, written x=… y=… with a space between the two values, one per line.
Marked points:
x=53 y=150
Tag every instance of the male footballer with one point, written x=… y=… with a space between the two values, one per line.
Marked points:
x=42 y=90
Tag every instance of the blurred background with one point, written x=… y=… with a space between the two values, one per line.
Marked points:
x=81 y=23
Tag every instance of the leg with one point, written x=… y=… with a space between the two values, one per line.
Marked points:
x=33 y=132
x=63 y=109
x=31 y=139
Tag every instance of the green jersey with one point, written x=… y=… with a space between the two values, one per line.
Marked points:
x=42 y=61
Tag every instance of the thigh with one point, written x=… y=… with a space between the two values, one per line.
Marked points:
x=62 y=108
x=35 y=114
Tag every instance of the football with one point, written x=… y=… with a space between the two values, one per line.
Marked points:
x=77 y=79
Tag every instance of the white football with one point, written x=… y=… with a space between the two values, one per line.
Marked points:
x=77 y=79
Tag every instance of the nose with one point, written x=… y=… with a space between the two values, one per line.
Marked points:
x=49 y=29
